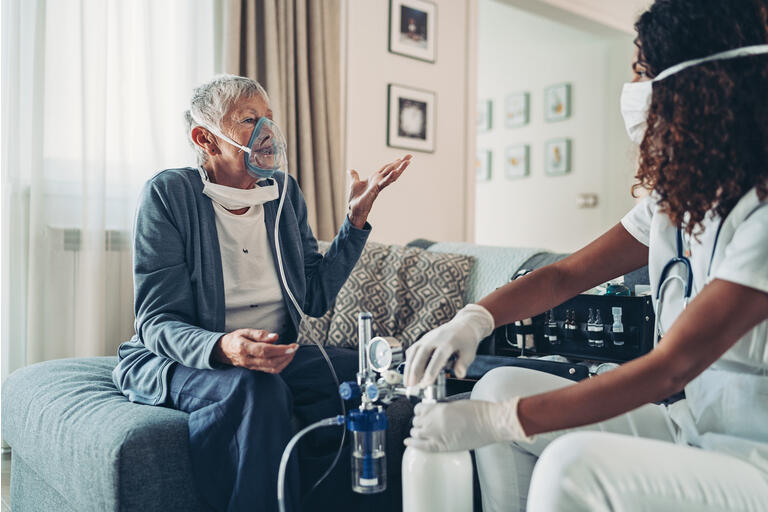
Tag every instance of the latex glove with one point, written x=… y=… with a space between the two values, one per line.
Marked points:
x=465 y=425
x=462 y=334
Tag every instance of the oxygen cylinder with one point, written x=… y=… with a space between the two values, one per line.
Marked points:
x=437 y=481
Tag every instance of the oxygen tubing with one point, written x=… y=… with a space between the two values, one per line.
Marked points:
x=278 y=251
x=327 y=422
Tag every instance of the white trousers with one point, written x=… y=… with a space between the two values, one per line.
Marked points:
x=628 y=463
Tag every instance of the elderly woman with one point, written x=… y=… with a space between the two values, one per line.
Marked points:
x=218 y=300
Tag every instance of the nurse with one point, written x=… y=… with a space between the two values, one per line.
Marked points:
x=698 y=109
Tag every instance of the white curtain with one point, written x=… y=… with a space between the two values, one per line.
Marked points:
x=93 y=94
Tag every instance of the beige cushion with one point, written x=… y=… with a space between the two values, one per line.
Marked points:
x=409 y=291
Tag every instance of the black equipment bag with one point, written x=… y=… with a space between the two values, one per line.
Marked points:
x=485 y=363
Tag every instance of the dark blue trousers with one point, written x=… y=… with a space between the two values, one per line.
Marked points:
x=241 y=420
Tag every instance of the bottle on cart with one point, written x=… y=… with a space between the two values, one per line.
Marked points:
x=570 y=323
x=617 y=328
x=551 y=330
x=598 y=330
x=591 y=328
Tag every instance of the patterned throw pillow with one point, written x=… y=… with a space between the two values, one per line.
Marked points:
x=409 y=291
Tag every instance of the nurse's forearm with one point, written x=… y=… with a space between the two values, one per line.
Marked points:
x=613 y=254
x=715 y=320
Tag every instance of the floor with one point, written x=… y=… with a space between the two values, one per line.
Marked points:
x=6 y=483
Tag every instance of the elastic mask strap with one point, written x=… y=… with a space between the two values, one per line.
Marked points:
x=729 y=54
x=219 y=134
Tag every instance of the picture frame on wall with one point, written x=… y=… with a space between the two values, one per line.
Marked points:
x=412 y=29
x=517 y=161
x=484 y=116
x=517 y=110
x=411 y=119
x=557 y=102
x=483 y=162
x=557 y=157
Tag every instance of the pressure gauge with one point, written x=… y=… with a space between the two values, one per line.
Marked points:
x=384 y=353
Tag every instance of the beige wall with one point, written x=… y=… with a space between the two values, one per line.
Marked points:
x=436 y=197
x=432 y=199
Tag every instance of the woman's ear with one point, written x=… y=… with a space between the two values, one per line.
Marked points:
x=205 y=140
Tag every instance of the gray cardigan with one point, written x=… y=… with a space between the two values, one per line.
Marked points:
x=178 y=282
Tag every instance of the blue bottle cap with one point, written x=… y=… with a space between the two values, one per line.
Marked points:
x=369 y=420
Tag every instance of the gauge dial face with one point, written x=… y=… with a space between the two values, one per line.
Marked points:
x=379 y=354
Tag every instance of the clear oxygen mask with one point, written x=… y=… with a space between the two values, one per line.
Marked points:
x=266 y=150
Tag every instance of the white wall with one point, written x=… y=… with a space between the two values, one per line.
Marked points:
x=519 y=51
x=615 y=14
x=431 y=200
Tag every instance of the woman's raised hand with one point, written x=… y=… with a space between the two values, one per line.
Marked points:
x=254 y=349
x=362 y=193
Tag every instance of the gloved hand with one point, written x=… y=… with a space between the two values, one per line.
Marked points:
x=465 y=425
x=462 y=334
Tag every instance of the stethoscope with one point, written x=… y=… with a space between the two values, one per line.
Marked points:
x=687 y=283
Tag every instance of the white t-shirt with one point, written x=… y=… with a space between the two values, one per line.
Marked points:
x=252 y=292
x=725 y=407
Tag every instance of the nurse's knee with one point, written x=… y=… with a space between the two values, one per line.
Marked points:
x=495 y=385
x=566 y=476
x=509 y=381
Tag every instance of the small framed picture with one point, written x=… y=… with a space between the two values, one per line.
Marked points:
x=516 y=161
x=516 y=109
x=484 y=116
x=412 y=28
x=557 y=102
x=483 y=165
x=557 y=157
x=411 y=120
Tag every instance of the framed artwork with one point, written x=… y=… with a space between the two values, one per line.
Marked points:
x=557 y=157
x=516 y=161
x=411 y=120
x=483 y=165
x=516 y=110
x=412 y=28
x=485 y=116
x=557 y=102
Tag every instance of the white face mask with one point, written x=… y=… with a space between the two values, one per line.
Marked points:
x=233 y=198
x=636 y=96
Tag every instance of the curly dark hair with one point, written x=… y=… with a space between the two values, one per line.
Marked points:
x=706 y=144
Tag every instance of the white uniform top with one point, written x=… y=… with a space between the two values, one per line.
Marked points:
x=252 y=292
x=726 y=407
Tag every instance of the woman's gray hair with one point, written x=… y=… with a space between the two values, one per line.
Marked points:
x=212 y=100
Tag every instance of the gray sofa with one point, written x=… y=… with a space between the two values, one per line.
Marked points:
x=79 y=445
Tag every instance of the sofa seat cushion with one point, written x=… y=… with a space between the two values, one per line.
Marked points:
x=68 y=422
x=408 y=290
